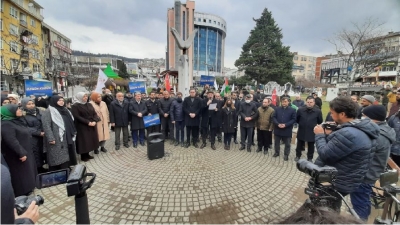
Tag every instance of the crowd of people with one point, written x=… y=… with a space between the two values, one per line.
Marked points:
x=52 y=131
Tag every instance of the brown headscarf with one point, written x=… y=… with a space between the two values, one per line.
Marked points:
x=94 y=97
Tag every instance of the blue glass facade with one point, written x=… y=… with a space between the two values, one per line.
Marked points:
x=207 y=49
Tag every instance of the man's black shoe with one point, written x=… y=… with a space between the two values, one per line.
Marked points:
x=103 y=149
x=213 y=147
x=182 y=144
x=297 y=159
x=254 y=144
x=248 y=149
x=142 y=144
x=235 y=141
x=241 y=148
x=187 y=145
x=176 y=143
x=195 y=145
x=275 y=155
x=259 y=149
x=90 y=157
x=126 y=146
x=135 y=145
x=285 y=158
x=116 y=147
x=96 y=151
x=265 y=152
x=203 y=145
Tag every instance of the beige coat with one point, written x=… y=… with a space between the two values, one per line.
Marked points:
x=102 y=127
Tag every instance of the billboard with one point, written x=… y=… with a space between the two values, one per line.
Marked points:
x=38 y=88
x=138 y=86
x=207 y=80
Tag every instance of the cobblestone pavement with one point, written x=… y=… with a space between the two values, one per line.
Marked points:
x=186 y=186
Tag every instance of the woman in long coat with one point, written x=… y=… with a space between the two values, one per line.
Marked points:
x=102 y=126
x=59 y=134
x=17 y=151
x=33 y=119
x=85 y=116
x=229 y=122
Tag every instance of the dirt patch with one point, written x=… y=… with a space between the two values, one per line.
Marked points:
x=224 y=212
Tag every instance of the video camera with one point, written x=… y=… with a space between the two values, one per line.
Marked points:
x=329 y=126
x=320 y=187
x=22 y=202
x=76 y=186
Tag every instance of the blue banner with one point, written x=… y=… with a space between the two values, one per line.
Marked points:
x=151 y=120
x=38 y=88
x=207 y=80
x=139 y=86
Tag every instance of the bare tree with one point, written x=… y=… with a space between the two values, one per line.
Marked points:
x=363 y=46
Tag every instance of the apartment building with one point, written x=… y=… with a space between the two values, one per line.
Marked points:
x=303 y=66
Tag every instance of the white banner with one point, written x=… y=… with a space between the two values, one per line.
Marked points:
x=101 y=80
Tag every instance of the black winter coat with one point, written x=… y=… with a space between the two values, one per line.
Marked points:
x=286 y=116
x=16 y=142
x=165 y=106
x=192 y=107
x=34 y=123
x=135 y=108
x=176 y=111
x=107 y=98
x=307 y=120
x=87 y=138
x=248 y=110
x=229 y=120
x=119 y=114
x=318 y=102
x=153 y=107
x=212 y=115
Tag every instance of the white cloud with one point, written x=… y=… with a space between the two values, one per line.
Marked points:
x=96 y=40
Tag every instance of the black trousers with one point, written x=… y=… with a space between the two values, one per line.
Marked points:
x=246 y=133
x=310 y=150
x=208 y=130
x=167 y=128
x=194 y=131
x=153 y=129
x=264 y=138
x=277 y=143
x=254 y=132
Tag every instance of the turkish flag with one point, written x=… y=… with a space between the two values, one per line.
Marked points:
x=167 y=84
x=274 y=97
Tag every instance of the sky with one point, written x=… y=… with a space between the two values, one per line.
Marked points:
x=138 y=28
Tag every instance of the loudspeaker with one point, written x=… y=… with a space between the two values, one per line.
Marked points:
x=155 y=146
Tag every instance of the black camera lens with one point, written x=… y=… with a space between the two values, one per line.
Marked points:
x=306 y=166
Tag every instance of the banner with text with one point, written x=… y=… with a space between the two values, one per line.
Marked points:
x=137 y=87
x=38 y=88
x=204 y=79
x=151 y=120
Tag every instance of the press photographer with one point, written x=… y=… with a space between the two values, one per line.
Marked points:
x=346 y=147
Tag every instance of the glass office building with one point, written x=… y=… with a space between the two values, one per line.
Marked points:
x=208 y=46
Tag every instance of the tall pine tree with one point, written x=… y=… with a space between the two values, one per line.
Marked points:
x=263 y=56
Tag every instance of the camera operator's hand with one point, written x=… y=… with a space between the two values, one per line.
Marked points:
x=31 y=213
x=319 y=130
x=23 y=159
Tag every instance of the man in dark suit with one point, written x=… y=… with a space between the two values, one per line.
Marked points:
x=249 y=113
x=119 y=119
x=283 y=118
x=209 y=120
x=192 y=109
x=138 y=109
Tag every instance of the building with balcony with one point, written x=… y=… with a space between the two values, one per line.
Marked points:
x=334 y=70
x=21 y=42
x=206 y=55
x=303 y=66
x=57 y=54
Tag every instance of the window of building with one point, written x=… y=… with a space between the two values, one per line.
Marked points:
x=35 y=53
x=14 y=63
x=13 y=30
x=1 y=44
x=2 y=61
x=13 y=46
x=295 y=58
x=215 y=22
x=35 y=67
x=199 y=19
x=1 y=5
x=22 y=18
x=218 y=23
x=309 y=65
x=14 y=12
x=34 y=39
x=33 y=23
x=204 y=20
x=1 y=24
x=59 y=39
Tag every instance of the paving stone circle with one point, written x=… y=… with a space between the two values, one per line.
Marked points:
x=188 y=185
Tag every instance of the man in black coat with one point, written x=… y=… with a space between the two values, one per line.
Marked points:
x=307 y=117
x=153 y=107
x=167 y=128
x=137 y=109
x=119 y=119
x=209 y=119
x=192 y=108
x=318 y=100
x=249 y=113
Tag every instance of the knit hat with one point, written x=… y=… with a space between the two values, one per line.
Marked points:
x=25 y=101
x=369 y=98
x=375 y=112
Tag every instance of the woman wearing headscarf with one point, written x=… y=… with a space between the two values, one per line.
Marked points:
x=59 y=135
x=85 y=116
x=102 y=125
x=16 y=148
x=33 y=119
x=4 y=100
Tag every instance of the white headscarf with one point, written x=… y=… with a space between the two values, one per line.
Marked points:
x=78 y=98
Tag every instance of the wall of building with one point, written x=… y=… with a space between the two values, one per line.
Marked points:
x=303 y=66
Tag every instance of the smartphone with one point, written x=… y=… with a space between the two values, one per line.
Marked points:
x=53 y=178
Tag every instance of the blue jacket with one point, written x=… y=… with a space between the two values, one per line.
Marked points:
x=349 y=150
x=394 y=122
x=176 y=111
x=286 y=116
